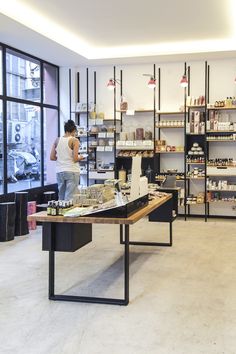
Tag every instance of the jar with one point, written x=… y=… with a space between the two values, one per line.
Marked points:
x=123 y=104
x=122 y=175
x=139 y=134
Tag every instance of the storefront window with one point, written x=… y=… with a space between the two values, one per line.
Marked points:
x=50 y=134
x=50 y=81
x=1 y=151
x=23 y=77
x=23 y=146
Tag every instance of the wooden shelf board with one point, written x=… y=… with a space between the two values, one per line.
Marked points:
x=169 y=112
x=138 y=148
x=197 y=106
x=169 y=152
x=195 y=134
x=221 y=131
x=218 y=175
x=221 y=141
x=172 y=127
x=195 y=163
x=221 y=201
x=136 y=111
x=222 y=108
x=197 y=178
x=130 y=157
x=195 y=203
x=222 y=190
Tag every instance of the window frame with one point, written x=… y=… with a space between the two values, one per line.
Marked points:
x=6 y=98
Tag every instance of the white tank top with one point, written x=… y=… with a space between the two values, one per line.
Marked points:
x=65 y=162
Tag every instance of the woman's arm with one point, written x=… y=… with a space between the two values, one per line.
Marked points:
x=75 y=148
x=53 y=154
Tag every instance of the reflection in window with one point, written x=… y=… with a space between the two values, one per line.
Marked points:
x=1 y=150
x=50 y=82
x=50 y=135
x=23 y=146
x=23 y=76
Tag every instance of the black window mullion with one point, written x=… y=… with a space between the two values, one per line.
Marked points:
x=42 y=121
x=4 y=120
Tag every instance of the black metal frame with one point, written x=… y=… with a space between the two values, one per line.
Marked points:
x=143 y=243
x=87 y=299
x=5 y=98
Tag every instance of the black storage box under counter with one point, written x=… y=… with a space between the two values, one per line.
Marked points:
x=66 y=237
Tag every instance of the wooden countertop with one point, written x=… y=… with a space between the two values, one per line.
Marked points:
x=152 y=205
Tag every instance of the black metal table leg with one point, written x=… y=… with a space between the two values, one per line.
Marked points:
x=171 y=239
x=87 y=299
x=121 y=234
x=51 y=274
x=126 y=265
x=51 y=279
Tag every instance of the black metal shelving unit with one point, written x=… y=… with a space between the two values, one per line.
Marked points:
x=126 y=161
x=190 y=139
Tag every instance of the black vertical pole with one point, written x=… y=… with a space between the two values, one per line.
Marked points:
x=185 y=147
x=95 y=102
x=87 y=121
x=58 y=98
x=42 y=125
x=115 y=133
x=154 y=123
x=4 y=120
x=70 y=93
x=188 y=94
x=78 y=95
x=159 y=108
x=205 y=141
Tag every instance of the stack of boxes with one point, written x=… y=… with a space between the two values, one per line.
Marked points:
x=196 y=125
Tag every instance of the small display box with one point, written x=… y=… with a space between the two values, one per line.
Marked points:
x=124 y=211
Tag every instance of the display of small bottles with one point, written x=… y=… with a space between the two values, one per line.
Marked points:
x=220 y=185
x=195 y=199
x=196 y=173
x=170 y=123
x=221 y=162
x=217 y=197
x=221 y=137
x=228 y=102
x=58 y=207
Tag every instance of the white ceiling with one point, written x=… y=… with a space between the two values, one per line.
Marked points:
x=74 y=32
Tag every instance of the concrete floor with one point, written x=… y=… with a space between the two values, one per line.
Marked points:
x=182 y=299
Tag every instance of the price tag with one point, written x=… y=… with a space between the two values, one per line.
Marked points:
x=120 y=143
x=130 y=112
x=100 y=148
x=110 y=135
x=99 y=121
x=108 y=148
x=147 y=142
x=92 y=122
x=102 y=135
x=129 y=143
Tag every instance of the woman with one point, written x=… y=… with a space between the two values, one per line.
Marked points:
x=65 y=151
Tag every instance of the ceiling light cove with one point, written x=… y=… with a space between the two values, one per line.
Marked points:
x=28 y=16
x=165 y=49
